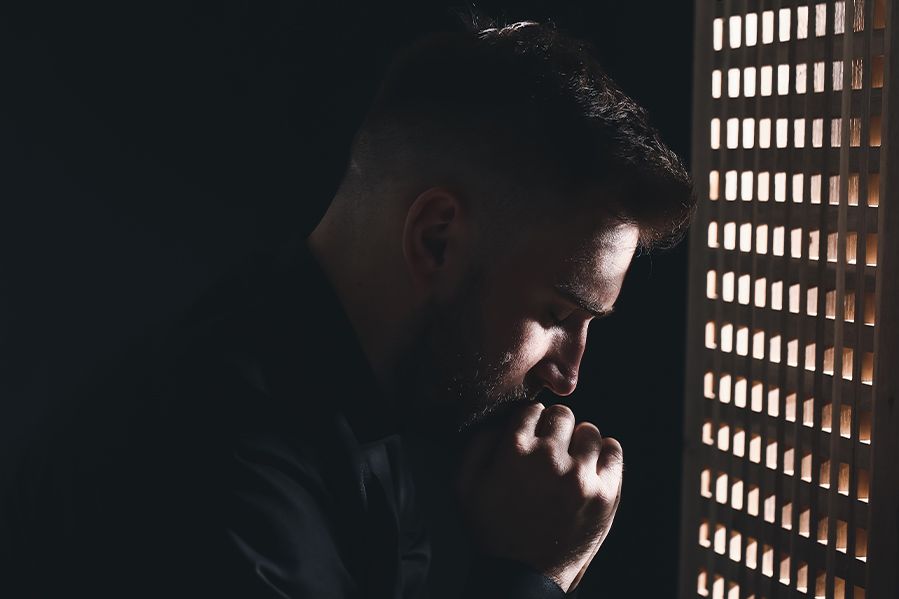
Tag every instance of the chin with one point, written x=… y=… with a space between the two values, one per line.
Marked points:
x=495 y=412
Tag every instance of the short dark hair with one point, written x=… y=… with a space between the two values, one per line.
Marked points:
x=530 y=107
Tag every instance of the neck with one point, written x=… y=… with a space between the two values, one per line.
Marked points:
x=356 y=274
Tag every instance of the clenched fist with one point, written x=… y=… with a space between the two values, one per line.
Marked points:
x=542 y=491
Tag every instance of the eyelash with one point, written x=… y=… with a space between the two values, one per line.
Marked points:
x=554 y=320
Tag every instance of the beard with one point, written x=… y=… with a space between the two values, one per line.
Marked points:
x=447 y=384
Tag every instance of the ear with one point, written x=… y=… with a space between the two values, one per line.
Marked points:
x=432 y=237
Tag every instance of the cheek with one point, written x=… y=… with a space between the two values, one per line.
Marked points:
x=527 y=345
x=536 y=342
x=512 y=337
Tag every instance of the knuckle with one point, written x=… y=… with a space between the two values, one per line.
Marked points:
x=559 y=411
x=530 y=410
x=543 y=450
x=548 y=459
x=580 y=485
x=525 y=414
x=534 y=407
x=609 y=485
x=588 y=430
x=558 y=467
x=608 y=495
x=615 y=454
x=586 y=438
x=520 y=445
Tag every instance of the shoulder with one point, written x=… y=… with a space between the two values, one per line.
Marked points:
x=191 y=466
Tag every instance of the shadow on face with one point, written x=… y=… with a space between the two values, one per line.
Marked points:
x=517 y=324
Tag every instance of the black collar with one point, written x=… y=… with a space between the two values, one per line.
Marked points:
x=321 y=353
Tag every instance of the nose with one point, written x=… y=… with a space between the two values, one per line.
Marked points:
x=559 y=368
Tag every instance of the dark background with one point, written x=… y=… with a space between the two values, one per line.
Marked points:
x=144 y=151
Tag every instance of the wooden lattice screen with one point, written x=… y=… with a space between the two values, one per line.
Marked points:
x=791 y=476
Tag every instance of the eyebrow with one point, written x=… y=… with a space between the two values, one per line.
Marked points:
x=582 y=302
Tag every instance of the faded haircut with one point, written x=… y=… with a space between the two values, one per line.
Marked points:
x=524 y=120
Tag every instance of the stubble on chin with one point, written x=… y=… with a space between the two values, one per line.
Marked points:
x=463 y=397
x=445 y=379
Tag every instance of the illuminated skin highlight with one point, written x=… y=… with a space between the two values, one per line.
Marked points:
x=546 y=299
x=460 y=331
x=522 y=326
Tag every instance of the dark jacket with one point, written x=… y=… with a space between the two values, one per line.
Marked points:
x=250 y=454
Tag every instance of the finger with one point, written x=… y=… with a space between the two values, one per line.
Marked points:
x=610 y=518
x=556 y=422
x=520 y=432
x=613 y=456
x=585 y=445
x=617 y=501
x=609 y=468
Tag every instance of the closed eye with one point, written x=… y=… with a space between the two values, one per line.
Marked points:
x=560 y=317
x=582 y=303
x=556 y=317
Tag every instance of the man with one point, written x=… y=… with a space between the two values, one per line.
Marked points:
x=271 y=446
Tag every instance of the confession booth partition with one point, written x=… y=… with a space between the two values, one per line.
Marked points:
x=791 y=464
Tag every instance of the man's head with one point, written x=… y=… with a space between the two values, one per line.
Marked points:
x=495 y=196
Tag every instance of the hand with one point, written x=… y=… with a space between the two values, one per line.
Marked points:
x=541 y=491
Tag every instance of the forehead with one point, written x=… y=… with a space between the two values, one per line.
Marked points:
x=602 y=252
x=589 y=261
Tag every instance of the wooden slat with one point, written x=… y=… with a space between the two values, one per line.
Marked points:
x=690 y=557
x=828 y=477
x=883 y=536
